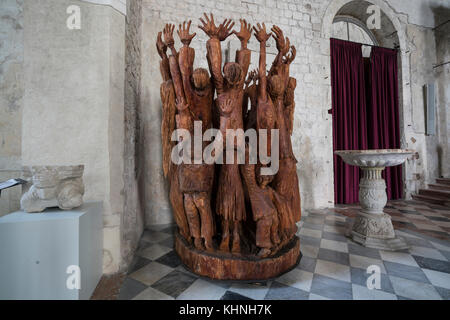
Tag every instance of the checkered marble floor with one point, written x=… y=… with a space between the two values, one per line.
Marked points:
x=332 y=266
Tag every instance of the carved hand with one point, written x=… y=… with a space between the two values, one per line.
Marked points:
x=225 y=29
x=161 y=46
x=222 y=32
x=226 y=106
x=209 y=27
x=252 y=76
x=290 y=56
x=256 y=75
x=249 y=78
x=183 y=33
x=245 y=33
x=181 y=105
x=261 y=33
x=282 y=43
x=168 y=35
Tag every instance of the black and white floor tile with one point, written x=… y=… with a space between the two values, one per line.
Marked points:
x=332 y=266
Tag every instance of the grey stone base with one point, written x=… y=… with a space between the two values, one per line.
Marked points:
x=376 y=231
x=392 y=244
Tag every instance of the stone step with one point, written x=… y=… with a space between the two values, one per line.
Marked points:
x=435 y=193
x=443 y=181
x=437 y=186
x=431 y=199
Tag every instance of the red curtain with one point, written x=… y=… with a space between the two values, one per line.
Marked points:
x=349 y=115
x=382 y=113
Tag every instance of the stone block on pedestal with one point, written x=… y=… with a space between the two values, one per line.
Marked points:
x=52 y=186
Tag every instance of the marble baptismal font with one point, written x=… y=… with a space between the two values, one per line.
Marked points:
x=373 y=227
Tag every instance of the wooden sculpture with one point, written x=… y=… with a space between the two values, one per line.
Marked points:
x=167 y=126
x=256 y=212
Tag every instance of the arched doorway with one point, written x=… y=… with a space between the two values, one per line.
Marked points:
x=347 y=20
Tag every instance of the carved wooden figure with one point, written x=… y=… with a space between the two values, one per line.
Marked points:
x=286 y=180
x=230 y=204
x=258 y=213
x=194 y=102
x=168 y=125
x=250 y=94
x=264 y=210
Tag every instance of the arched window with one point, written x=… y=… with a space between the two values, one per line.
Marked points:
x=352 y=29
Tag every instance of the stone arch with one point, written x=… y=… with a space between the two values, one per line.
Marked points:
x=335 y=5
x=405 y=102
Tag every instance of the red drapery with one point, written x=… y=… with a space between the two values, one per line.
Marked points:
x=382 y=113
x=365 y=113
x=349 y=115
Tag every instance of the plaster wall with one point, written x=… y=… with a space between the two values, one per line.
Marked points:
x=418 y=12
x=11 y=100
x=73 y=102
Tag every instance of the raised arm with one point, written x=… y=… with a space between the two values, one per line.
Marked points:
x=186 y=59
x=177 y=81
x=262 y=36
x=214 y=52
x=214 y=57
x=173 y=63
x=290 y=56
x=243 y=55
x=250 y=90
x=164 y=63
x=289 y=104
x=282 y=46
x=168 y=38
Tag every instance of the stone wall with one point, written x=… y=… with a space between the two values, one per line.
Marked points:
x=308 y=25
x=11 y=100
x=132 y=220
x=62 y=102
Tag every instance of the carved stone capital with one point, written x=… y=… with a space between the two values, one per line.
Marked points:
x=52 y=186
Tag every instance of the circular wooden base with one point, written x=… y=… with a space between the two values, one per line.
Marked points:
x=221 y=267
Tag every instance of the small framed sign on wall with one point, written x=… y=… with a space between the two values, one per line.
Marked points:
x=430 y=109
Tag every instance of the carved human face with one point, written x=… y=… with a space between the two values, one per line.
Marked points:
x=200 y=78
x=232 y=72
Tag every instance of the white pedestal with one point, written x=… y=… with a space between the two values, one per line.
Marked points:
x=37 y=249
